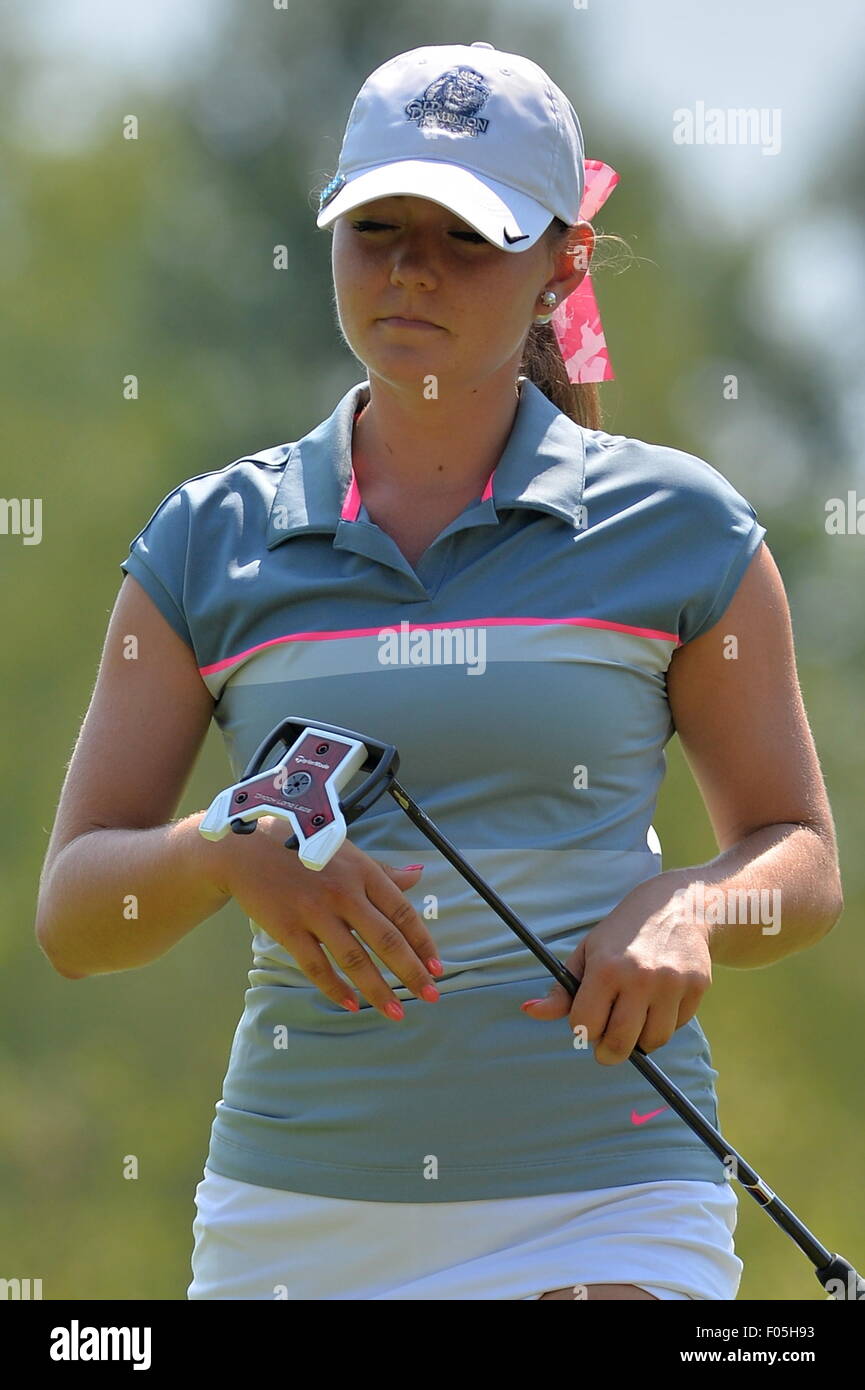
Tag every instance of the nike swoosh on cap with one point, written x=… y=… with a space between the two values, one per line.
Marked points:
x=511 y=239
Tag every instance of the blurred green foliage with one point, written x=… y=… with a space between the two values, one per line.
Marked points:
x=154 y=257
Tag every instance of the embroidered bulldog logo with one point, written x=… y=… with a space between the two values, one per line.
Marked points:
x=452 y=102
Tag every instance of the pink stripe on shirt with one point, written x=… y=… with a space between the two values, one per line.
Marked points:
x=649 y=632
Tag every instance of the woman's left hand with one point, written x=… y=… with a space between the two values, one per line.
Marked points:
x=643 y=970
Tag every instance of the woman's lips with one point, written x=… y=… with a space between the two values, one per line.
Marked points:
x=409 y=323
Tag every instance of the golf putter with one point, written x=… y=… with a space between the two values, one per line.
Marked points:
x=303 y=788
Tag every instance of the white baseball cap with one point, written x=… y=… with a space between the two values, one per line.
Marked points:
x=485 y=133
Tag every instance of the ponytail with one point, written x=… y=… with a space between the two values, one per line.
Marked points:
x=544 y=365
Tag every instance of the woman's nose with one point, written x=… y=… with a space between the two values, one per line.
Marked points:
x=413 y=267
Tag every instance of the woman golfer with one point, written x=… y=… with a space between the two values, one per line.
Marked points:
x=461 y=562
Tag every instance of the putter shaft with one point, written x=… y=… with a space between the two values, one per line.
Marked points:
x=829 y=1267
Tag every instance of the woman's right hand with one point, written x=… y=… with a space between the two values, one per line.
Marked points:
x=303 y=908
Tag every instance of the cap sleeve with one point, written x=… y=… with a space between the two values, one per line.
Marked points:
x=724 y=536
x=157 y=559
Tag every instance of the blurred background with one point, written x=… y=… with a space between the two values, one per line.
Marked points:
x=154 y=256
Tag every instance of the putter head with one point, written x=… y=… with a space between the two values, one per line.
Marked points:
x=302 y=788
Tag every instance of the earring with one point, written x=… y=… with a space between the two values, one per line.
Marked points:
x=548 y=298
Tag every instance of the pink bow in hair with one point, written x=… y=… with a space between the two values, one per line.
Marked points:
x=577 y=320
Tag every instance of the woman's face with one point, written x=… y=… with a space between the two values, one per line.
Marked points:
x=410 y=257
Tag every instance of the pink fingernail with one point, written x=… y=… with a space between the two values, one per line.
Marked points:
x=529 y=1002
x=434 y=966
x=395 y=1010
x=351 y=1004
x=405 y=868
x=430 y=993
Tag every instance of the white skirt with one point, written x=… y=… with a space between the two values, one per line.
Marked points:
x=673 y=1238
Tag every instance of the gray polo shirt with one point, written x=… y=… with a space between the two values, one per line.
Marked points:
x=520 y=669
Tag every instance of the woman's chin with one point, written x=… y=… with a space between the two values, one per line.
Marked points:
x=399 y=363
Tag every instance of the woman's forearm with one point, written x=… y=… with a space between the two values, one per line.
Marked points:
x=114 y=899
x=775 y=892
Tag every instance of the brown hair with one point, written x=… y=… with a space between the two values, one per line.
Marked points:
x=543 y=363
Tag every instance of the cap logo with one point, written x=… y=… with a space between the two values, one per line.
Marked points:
x=330 y=190
x=452 y=102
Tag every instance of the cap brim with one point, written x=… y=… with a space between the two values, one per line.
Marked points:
x=510 y=220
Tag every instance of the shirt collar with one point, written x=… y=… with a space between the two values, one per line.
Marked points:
x=542 y=467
